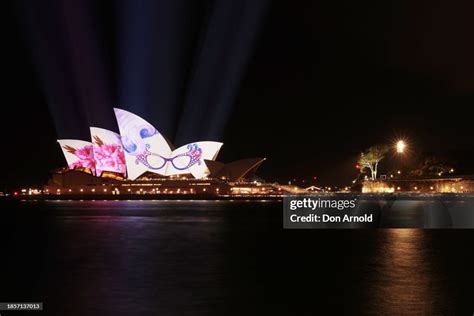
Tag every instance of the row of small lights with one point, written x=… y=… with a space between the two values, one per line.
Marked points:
x=141 y=191
x=129 y=190
x=432 y=188
x=439 y=173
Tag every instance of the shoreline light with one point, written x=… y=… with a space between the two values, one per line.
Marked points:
x=400 y=146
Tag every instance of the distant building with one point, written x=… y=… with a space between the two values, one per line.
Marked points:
x=141 y=161
x=313 y=188
x=78 y=183
x=459 y=184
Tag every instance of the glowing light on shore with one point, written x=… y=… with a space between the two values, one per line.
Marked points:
x=400 y=146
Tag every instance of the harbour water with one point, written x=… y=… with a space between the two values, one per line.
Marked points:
x=223 y=257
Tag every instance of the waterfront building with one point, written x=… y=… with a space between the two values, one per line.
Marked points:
x=139 y=160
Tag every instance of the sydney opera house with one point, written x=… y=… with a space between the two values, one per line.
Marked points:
x=141 y=161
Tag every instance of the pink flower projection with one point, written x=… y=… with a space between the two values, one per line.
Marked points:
x=98 y=157
x=109 y=157
x=84 y=155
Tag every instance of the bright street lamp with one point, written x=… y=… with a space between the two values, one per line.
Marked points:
x=400 y=146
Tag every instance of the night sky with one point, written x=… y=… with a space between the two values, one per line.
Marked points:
x=308 y=84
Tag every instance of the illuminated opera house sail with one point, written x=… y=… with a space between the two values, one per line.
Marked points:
x=139 y=148
x=140 y=156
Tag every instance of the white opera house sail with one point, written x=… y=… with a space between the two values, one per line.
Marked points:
x=78 y=153
x=147 y=150
x=139 y=148
x=108 y=151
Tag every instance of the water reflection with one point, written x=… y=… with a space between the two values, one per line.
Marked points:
x=406 y=278
x=169 y=258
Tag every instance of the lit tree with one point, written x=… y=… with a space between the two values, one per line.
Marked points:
x=371 y=158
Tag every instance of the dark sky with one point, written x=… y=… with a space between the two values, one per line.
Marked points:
x=324 y=81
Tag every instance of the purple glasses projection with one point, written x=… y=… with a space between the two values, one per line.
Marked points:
x=180 y=162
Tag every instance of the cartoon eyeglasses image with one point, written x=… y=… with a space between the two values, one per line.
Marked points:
x=179 y=162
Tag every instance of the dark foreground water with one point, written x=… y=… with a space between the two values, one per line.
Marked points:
x=219 y=258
